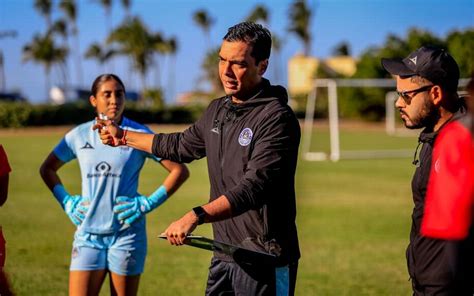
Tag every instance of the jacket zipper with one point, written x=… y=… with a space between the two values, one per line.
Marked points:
x=221 y=146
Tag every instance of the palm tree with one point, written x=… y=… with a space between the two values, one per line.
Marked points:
x=171 y=47
x=44 y=8
x=42 y=50
x=276 y=46
x=4 y=34
x=342 y=49
x=259 y=13
x=96 y=52
x=60 y=28
x=205 y=21
x=134 y=39
x=300 y=18
x=107 y=5
x=69 y=8
x=126 y=5
x=160 y=47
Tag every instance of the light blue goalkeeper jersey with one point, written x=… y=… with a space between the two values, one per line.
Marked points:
x=107 y=172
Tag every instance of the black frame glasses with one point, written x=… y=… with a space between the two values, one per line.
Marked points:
x=405 y=94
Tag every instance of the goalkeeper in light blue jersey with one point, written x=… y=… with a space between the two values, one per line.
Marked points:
x=109 y=213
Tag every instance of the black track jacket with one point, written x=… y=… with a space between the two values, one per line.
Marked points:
x=433 y=263
x=251 y=151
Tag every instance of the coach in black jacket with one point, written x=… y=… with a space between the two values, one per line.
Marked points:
x=427 y=82
x=250 y=138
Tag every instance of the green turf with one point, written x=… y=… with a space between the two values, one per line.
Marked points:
x=353 y=220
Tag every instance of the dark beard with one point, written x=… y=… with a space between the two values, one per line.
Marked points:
x=429 y=116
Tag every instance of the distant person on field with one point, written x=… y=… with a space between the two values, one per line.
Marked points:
x=250 y=138
x=427 y=82
x=5 y=170
x=110 y=213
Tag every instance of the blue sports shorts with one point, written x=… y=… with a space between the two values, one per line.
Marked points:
x=122 y=253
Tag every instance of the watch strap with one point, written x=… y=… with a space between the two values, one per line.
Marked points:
x=200 y=214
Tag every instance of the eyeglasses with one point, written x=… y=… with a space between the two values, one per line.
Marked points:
x=405 y=94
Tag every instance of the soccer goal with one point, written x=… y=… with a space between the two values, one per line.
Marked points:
x=336 y=153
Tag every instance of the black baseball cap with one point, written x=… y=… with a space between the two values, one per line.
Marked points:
x=429 y=62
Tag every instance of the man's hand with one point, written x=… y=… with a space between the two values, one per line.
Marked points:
x=130 y=209
x=76 y=208
x=110 y=133
x=177 y=231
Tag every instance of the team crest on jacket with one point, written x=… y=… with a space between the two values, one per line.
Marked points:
x=245 y=136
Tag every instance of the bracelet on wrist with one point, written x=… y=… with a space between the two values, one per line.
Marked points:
x=123 y=140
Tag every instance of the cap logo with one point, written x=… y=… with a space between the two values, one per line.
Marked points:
x=413 y=60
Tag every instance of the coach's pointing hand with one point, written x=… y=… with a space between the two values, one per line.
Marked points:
x=110 y=133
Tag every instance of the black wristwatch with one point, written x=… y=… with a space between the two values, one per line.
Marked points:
x=200 y=214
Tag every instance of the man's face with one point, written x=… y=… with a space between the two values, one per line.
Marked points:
x=238 y=71
x=109 y=100
x=417 y=109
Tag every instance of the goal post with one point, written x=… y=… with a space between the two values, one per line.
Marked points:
x=336 y=153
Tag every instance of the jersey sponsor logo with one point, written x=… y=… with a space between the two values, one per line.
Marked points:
x=103 y=170
x=245 y=137
x=87 y=146
x=103 y=167
x=124 y=148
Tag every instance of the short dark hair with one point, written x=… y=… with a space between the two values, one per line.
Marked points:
x=101 y=79
x=253 y=34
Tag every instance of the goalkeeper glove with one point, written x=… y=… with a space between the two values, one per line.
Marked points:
x=130 y=209
x=75 y=206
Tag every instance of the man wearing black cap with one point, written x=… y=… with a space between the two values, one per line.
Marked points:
x=427 y=82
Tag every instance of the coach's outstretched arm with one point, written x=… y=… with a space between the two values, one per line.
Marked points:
x=111 y=134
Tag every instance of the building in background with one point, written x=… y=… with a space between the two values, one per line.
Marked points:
x=302 y=70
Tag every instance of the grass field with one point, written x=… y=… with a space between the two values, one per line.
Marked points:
x=353 y=220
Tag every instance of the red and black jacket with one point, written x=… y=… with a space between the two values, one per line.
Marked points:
x=446 y=265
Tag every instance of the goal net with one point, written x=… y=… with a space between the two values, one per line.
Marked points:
x=335 y=152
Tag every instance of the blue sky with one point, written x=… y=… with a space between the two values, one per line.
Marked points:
x=360 y=23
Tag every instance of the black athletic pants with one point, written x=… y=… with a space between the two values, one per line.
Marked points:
x=230 y=278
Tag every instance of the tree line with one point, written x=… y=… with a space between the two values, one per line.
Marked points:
x=369 y=103
x=133 y=40
x=143 y=48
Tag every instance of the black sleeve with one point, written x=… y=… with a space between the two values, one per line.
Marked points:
x=186 y=146
x=271 y=166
